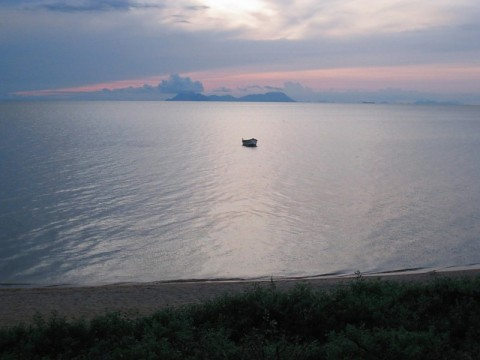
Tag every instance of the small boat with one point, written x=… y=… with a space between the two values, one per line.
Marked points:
x=249 y=142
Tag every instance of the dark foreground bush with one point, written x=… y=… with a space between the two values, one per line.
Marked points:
x=367 y=320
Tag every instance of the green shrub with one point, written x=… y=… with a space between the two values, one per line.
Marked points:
x=367 y=320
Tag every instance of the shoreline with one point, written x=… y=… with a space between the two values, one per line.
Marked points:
x=20 y=304
x=259 y=279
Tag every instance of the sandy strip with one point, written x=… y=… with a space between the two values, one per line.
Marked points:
x=20 y=305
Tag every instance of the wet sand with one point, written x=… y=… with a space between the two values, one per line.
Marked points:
x=19 y=305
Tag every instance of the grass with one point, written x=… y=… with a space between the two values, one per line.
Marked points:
x=367 y=320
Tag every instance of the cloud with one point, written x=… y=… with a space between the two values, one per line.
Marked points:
x=296 y=90
x=299 y=92
x=197 y=7
x=222 y=90
x=74 y=6
x=177 y=84
x=273 y=19
x=258 y=89
x=308 y=19
x=173 y=85
x=272 y=88
x=51 y=44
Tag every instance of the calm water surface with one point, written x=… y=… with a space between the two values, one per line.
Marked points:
x=103 y=192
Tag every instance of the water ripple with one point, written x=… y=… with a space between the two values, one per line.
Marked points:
x=109 y=192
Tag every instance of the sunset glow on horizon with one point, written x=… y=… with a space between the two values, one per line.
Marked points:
x=445 y=78
x=54 y=48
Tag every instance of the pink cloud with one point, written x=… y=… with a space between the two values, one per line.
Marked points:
x=431 y=78
x=113 y=85
x=436 y=78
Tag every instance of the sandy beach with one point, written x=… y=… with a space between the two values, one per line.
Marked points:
x=19 y=305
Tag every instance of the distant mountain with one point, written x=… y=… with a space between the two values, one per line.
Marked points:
x=191 y=96
x=267 y=97
x=434 y=102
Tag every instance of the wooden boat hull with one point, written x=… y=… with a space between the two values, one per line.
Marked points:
x=249 y=142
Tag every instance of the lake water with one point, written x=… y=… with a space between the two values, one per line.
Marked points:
x=105 y=192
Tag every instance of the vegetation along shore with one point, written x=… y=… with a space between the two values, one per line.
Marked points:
x=427 y=316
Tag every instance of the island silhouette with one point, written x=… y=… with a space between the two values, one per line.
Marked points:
x=266 y=97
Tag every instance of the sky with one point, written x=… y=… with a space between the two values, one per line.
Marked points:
x=313 y=50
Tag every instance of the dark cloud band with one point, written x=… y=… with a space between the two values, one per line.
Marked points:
x=96 y=6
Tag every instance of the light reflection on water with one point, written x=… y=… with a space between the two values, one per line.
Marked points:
x=108 y=192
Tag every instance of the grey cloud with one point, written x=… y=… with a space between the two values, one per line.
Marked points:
x=17 y=3
x=300 y=92
x=146 y=92
x=54 y=49
x=95 y=6
x=197 y=7
x=223 y=90
x=250 y=88
x=174 y=84
x=178 y=18
x=272 y=88
x=177 y=84
x=259 y=88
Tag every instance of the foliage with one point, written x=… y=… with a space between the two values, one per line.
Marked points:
x=366 y=320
